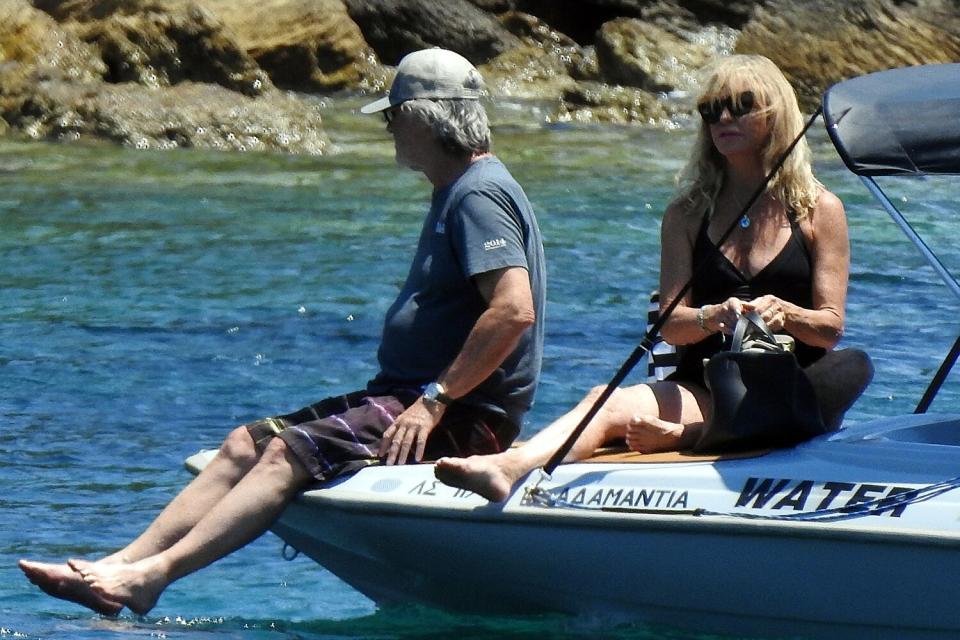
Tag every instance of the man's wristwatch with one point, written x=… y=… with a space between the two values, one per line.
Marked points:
x=435 y=393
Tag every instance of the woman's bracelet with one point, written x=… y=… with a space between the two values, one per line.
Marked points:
x=703 y=327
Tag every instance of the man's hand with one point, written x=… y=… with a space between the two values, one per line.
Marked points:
x=410 y=431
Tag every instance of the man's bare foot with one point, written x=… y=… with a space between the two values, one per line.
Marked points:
x=61 y=581
x=136 y=586
x=78 y=564
x=650 y=434
x=479 y=474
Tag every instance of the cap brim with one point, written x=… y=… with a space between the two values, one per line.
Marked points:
x=376 y=105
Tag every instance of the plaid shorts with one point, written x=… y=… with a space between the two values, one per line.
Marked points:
x=342 y=434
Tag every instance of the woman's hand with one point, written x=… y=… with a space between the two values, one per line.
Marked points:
x=722 y=317
x=772 y=310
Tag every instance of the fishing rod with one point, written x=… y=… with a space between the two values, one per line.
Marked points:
x=647 y=342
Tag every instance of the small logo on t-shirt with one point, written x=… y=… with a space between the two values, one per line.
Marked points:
x=440 y=228
x=490 y=245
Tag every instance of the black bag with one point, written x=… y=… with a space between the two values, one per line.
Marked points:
x=761 y=397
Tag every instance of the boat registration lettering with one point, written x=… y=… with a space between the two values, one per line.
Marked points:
x=437 y=488
x=799 y=495
x=622 y=498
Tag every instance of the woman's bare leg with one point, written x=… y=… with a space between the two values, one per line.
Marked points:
x=241 y=516
x=493 y=476
x=682 y=410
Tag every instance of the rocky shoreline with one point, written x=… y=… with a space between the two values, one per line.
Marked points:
x=247 y=74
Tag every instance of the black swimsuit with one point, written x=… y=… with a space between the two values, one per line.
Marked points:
x=789 y=276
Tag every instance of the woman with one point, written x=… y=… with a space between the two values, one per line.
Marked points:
x=788 y=259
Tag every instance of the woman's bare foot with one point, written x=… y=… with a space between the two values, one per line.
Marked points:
x=61 y=581
x=137 y=586
x=650 y=434
x=482 y=475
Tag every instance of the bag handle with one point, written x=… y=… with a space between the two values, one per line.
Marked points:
x=740 y=332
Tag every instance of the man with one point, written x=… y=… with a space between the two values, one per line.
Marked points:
x=459 y=358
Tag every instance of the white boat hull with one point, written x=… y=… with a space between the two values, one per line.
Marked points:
x=700 y=544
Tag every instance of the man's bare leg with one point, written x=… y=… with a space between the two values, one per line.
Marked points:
x=244 y=514
x=237 y=455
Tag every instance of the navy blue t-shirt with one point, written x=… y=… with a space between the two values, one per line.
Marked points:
x=481 y=222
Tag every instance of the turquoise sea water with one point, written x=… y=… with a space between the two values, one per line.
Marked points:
x=151 y=300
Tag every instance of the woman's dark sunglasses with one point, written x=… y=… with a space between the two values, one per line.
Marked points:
x=738 y=106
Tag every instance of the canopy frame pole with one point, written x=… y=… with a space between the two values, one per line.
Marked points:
x=914 y=237
x=934 y=387
x=941 y=270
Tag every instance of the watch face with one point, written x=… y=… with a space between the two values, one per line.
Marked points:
x=435 y=393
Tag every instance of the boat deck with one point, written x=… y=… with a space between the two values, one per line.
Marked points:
x=620 y=455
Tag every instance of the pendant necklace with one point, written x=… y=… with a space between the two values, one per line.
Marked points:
x=745 y=221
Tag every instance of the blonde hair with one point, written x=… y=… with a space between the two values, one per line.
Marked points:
x=703 y=177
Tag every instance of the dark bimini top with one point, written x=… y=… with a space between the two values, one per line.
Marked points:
x=789 y=276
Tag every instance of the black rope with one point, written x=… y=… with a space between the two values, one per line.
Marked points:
x=647 y=342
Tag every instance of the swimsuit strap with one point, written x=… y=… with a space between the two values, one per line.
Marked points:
x=797 y=232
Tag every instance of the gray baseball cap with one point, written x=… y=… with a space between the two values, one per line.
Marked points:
x=430 y=73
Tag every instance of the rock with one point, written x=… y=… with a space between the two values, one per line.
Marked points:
x=527 y=72
x=174 y=79
x=493 y=6
x=88 y=10
x=396 y=27
x=304 y=45
x=731 y=13
x=167 y=45
x=16 y=82
x=581 y=19
x=580 y=62
x=546 y=64
x=598 y=60
x=533 y=29
x=191 y=115
x=32 y=39
x=593 y=102
x=819 y=45
x=634 y=53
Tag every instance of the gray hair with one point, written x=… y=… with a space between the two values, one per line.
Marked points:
x=460 y=126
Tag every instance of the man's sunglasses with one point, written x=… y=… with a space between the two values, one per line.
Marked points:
x=738 y=107
x=389 y=114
